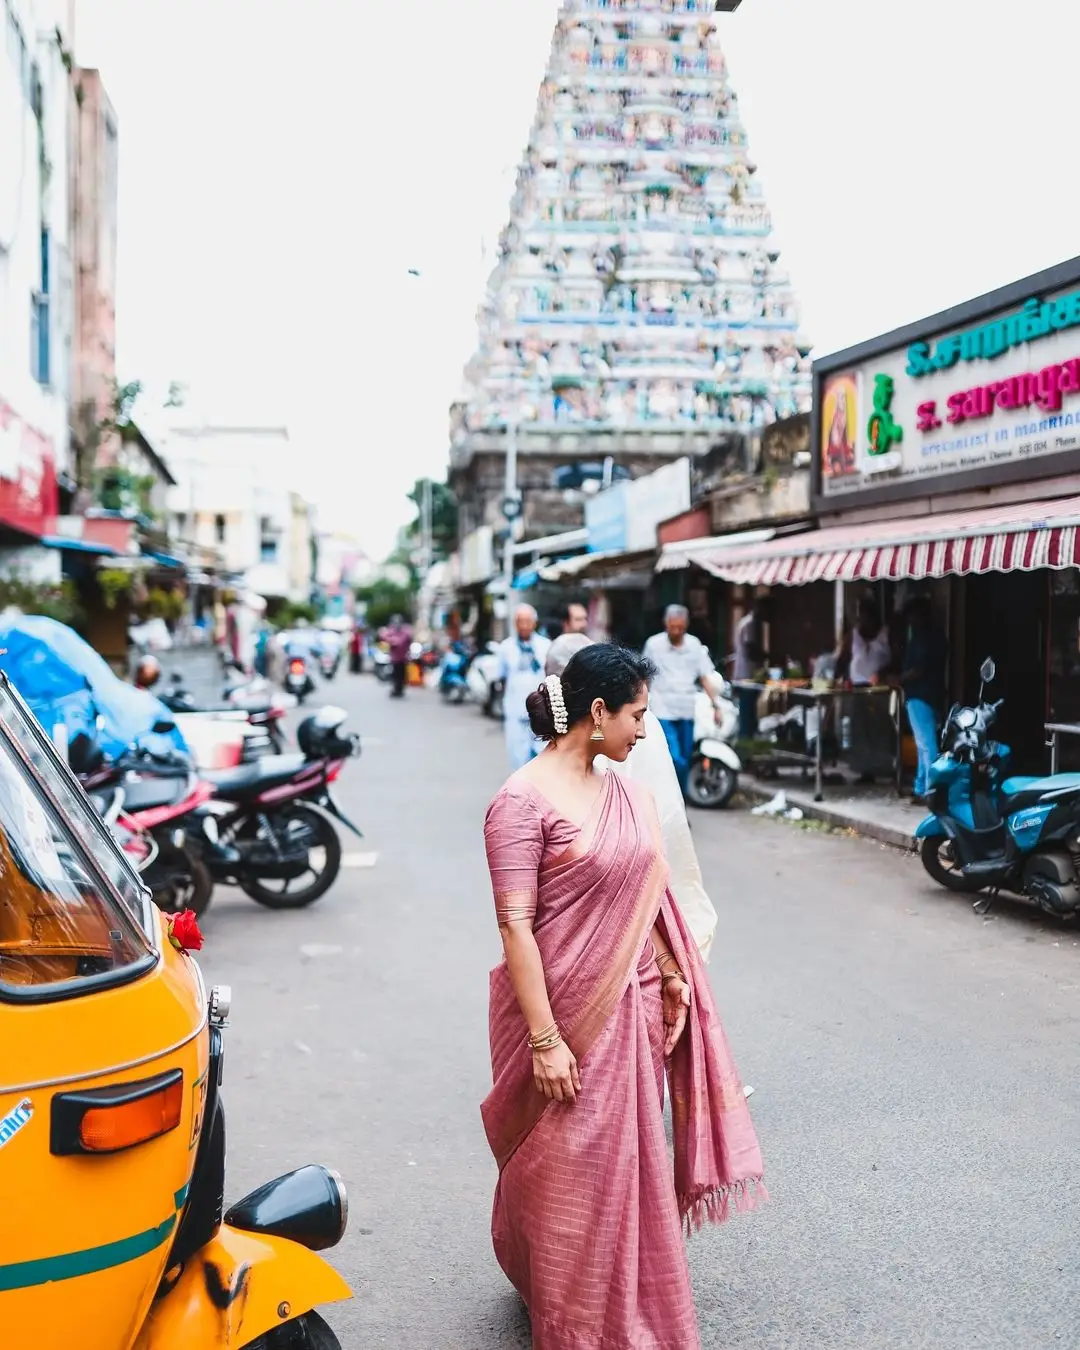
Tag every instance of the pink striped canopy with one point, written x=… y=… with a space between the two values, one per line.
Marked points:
x=1013 y=538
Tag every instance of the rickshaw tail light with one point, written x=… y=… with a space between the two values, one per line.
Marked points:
x=105 y=1129
x=108 y=1120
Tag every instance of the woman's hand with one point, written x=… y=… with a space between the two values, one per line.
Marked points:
x=676 y=1010
x=555 y=1073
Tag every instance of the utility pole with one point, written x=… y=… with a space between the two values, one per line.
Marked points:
x=511 y=505
x=426 y=541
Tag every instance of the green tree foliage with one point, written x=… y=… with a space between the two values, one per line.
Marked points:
x=383 y=599
x=444 y=518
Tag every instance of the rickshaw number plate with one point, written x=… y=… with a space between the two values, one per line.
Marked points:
x=198 y=1109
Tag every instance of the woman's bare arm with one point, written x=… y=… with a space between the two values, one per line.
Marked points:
x=527 y=974
x=555 y=1071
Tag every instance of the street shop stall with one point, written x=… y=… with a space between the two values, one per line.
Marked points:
x=947 y=464
x=815 y=725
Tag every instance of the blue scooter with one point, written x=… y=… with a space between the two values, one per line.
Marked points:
x=989 y=832
x=453 y=684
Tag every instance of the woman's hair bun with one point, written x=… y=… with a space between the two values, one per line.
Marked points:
x=541 y=717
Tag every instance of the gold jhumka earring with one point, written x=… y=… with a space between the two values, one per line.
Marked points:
x=597 y=735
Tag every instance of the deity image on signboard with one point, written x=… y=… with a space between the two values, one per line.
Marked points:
x=839 y=423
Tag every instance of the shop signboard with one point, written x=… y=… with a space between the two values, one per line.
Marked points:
x=986 y=393
x=653 y=498
x=28 y=488
x=606 y=519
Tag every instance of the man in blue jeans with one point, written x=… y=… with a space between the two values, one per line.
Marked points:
x=923 y=683
x=682 y=663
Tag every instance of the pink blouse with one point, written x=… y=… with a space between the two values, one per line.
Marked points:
x=523 y=833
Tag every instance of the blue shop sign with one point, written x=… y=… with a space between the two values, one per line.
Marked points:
x=606 y=517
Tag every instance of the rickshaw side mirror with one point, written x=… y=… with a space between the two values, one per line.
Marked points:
x=987 y=671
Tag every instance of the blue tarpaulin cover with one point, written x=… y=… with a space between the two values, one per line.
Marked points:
x=64 y=680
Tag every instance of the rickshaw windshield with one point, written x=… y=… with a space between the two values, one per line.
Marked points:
x=72 y=913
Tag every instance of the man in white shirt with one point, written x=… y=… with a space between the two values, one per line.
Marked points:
x=521 y=668
x=650 y=763
x=682 y=663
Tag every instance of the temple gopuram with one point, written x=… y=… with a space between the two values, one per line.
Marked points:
x=638 y=311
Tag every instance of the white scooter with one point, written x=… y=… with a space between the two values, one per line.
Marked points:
x=485 y=689
x=714 y=767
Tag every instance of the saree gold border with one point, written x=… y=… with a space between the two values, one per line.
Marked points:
x=605 y=998
x=598 y=1008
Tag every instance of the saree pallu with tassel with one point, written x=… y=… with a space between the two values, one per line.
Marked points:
x=589 y=1212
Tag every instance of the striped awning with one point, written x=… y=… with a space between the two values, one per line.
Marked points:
x=1013 y=538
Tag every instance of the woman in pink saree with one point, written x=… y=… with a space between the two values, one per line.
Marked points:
x=601 y=989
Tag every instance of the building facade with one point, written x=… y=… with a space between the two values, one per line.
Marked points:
x=234 y=494
x=946 y=464
x=36 y=283
x=94 y=190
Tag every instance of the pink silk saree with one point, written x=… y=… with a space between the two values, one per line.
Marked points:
x=589 y=1212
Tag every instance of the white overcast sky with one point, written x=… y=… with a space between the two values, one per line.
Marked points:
x=284 y=164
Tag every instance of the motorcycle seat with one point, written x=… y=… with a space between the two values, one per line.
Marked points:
x=1020 y=792
x=247 y=779
x=146 y=794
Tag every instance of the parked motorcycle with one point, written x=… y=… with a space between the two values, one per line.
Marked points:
x=991 y=832
x=485 y=687
x=383 y=666
x=153 y=795
x=715 y=766
x=270 y=828
x=453 y=673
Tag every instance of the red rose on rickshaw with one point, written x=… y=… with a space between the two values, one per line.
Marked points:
x=184 y=931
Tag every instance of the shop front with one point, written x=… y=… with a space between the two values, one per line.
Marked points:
x=947 y=465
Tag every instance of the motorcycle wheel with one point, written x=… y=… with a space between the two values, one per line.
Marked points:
x=939 y=861
x=309 y=1332
x=713 y=787
x=281 y=894
x=195 y=893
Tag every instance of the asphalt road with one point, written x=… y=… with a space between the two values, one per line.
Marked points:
x=917 y=1094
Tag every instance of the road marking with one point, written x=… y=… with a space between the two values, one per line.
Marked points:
x=321 y=949
x=359 y=860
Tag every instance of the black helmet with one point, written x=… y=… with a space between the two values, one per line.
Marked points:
x=320 y=736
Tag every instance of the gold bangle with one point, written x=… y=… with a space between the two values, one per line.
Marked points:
x=672 y=975
x=660 y=957
x=668 y=957
x=546 y=1039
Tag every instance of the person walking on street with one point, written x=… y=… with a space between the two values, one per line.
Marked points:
x=682 y=663
x=399 y=638
x=923 y=682
x=750 y=656
x=521 y=667
x=601 y=995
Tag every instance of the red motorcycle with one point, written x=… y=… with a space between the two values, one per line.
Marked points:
x=270 y=829
x=151 y=801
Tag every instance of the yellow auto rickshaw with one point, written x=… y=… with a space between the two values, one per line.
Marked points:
x=113 y=1230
